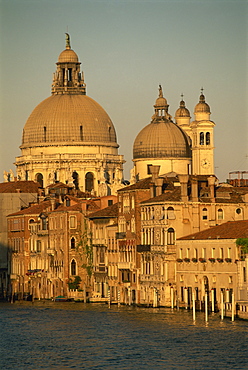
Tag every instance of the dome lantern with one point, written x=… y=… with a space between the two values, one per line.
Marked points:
x=68 y=79
x=202 y=109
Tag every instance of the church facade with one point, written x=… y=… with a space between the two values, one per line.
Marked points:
x=69 y=137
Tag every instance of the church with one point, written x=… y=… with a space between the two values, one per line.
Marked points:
x=71 y=139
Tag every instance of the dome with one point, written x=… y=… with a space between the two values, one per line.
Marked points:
x=68 y=56
x=182 y=111
x=160 y=102
x=202 y=106
x=161 y=139
x=68 y=120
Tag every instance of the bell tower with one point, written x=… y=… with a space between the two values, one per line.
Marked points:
x=202 y=134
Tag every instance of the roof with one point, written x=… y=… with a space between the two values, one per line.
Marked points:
x=68 y=120
x=108 y=212
x=142 y=184
x=168 y=196
x=19 y=187
x=228 y=230
x=33 y=210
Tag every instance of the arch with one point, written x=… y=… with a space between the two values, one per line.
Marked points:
x=204 y=214
x=75 y=179
x=170 y=213
x=170 y=236
x=73 y=243
x=208 y=138
x=89 y=181
x=201 y=138
x=39 y=179
x=220 y=214
x=73 y=267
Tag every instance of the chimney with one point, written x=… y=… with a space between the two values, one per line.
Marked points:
x=211 y=183
x=154 y=170
x=184 y=187
x=194 y=189
x=159 y=184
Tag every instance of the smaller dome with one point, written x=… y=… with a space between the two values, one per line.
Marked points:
x=202 y=106
x=182 y=111
x=161 y=102
x=68 y=56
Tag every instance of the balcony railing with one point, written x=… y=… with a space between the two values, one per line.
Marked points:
x=121 y=235
x=125 y=265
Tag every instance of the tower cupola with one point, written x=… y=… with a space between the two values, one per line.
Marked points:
x=202 y=109
x=68 y=79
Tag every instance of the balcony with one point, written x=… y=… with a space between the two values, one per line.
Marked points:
x=152 y=278
x=143 y=248
x=101 y=268
x=125 y=265
x=121 y=235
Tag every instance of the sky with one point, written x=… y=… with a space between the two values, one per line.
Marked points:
x=127 y=48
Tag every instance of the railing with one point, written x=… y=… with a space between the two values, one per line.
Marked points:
x=125 y=265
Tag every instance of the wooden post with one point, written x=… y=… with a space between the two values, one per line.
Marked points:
x=212 y=298
x=222 y=305
x=119 y=298
x=172 y=297
x=206 y=306
x=109 y=302
x=233 y=307
x=193 y=301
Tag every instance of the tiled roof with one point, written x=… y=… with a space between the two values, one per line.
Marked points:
x=58 y=185
x=33 y=210
x=108 y=212
x=19 y=186
x=142 y=184
x=228 y=230
x=168 y=196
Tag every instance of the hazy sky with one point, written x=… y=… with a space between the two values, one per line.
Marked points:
x=127 y=48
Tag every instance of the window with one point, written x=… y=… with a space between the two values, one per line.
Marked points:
x=220 y=214
x=38 y=246
x=244 y=274
x=201 y=138
x=204 y=214
x=75 y=179
x=208 y=138
x=39 y=179
x=73 y=222
x=170 y=213
x=110 y=202
x=170 y=236
x=73 y=267
x=81 y=133
x=73 y=243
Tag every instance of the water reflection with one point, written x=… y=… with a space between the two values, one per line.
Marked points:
x=90 y=336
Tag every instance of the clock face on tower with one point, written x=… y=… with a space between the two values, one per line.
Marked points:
x=205 y=163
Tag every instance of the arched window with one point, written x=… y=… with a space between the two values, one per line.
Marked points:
x=73 y=267
x=73 y=243
x=201 y=138
x=171 y=236
x=170 y=213
x=204 y=214
x=81 y=133
x=220 y=214
x=89 y=181
x=75 y=179
x=39 y=179
x=45 y=138
x=208 y=138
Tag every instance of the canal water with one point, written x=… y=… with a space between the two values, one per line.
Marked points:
x=69 y=335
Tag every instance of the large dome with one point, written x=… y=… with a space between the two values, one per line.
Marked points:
x=68 y=120
x=161 y=139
